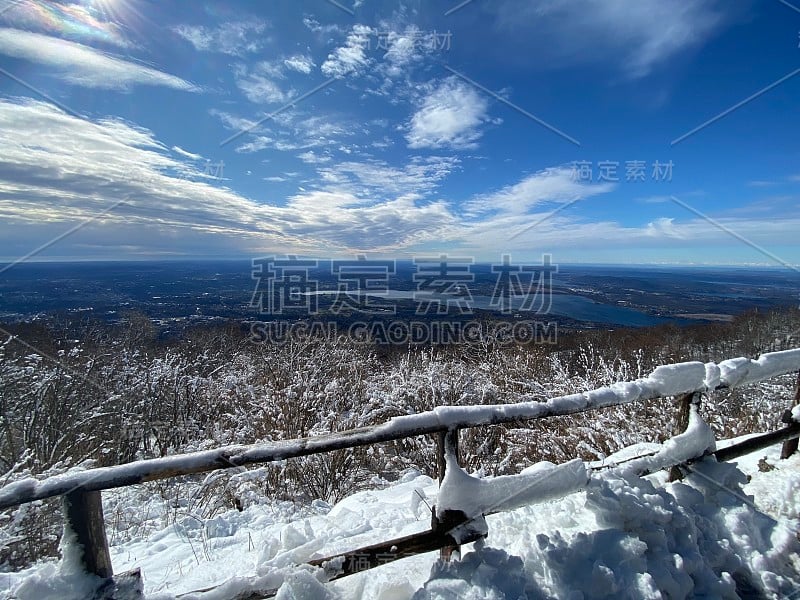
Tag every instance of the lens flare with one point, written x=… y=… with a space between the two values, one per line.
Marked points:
x=87 y=21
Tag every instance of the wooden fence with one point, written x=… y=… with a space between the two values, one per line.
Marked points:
x=83 y=512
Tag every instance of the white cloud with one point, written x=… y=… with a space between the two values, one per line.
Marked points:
x=257 y=143
x=405 y=48
x=81 y=65
x=383 y=143
x=258 y=83
x=57 y=170
x=378 y=179
x=664 y=226
x=186 y=153
x=352 y=57
x=316 y=27
x=658 y=199
x=234 y=122
x=636 y=36
x=313 y=159
x=346 y=221
x=289 y=131
x=300 y=63
x=550 y=185
x=450 y=117
x=236 y=38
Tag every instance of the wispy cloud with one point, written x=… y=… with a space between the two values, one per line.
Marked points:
x=404 y=49
x=351 y=58
x=289 y=131
x=300 y=63
x=236 y=38
x=259 y=83
x=321 y=30
x=84 y=66
x=65 y=169
x=186 y=153
x=635 y=36
x=312 y=158
x=556 y=184
x=375 y=179
x=256 y=144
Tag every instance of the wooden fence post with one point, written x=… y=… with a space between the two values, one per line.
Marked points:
x=83 y=515
x=790 y=446
x=446 y=441
x=684 y=407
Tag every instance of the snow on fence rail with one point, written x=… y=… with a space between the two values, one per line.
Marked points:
x=454 y=521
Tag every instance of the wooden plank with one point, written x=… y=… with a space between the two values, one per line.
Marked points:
x=447 y=442
x=369 y=557
x=125 y=586
x=758 y=442
x=83 y=518
x=684 y=406
x=376 y=555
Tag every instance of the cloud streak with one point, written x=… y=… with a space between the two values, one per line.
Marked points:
x=236 y=38
x=637 y=36
x=84 y=66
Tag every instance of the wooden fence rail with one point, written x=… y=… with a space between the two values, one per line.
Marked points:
x=83 y=514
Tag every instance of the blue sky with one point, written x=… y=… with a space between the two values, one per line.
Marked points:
x=135 y=129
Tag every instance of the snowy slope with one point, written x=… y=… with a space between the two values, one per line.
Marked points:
x=624 y=536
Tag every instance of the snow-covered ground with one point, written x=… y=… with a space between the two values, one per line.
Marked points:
x=714 y=535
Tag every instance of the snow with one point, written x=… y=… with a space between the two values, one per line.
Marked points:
x=626 y=454
x=680 y=378
x=711 y=380
x=740 y=371
x=665 y=380
x=713 y=535
x=475 y=497
x=65 y=580
x=692 y=443
x=635 y=537
x=542 y=482
x=574 y=530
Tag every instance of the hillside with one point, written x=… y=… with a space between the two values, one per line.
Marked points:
x=247 y=526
